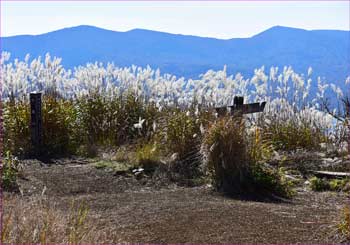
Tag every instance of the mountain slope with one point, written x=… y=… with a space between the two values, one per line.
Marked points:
x=327 y=51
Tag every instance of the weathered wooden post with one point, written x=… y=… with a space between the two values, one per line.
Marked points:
x=237 y=108
x=36 y=121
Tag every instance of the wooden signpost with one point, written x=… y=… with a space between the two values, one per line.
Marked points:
x=36 y=121
x=239 y=108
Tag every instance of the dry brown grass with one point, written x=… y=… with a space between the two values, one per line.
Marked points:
x=38 y=220
x=344 y=225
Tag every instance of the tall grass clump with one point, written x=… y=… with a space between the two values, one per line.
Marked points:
x=234 y=163
x=59 y=118
x=59 y=126
x=227 y=154
x=111 y=120
x=16 y=116
x=91 y=116
x=182 y=135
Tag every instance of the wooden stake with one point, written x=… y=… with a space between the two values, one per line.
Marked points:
x=36 y=121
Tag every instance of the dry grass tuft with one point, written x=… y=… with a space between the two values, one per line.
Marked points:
x=344 y=225
x=227 y=153
x=236 y=160
x=39 y=220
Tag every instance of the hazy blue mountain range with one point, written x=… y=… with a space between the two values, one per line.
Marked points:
x=327 y=51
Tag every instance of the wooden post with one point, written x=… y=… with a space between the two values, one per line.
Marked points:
x=238 y=100
x=36 y=121
x=237 y=108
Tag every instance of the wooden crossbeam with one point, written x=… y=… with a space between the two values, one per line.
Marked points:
x=239 y=108
x=249 y=108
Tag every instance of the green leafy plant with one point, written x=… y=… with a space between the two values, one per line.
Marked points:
x=10 y=170
x=318 y=184
x=271 y=180
x=322 y=184
x=338 y=184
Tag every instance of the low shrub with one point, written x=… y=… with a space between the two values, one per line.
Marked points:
x=338 y=184
x=318 y=184
x=268 y=180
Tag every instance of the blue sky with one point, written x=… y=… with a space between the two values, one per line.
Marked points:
x=211 y=19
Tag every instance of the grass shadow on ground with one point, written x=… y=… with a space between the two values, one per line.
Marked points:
x=263 y=197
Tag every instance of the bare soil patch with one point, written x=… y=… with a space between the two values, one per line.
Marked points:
x=147 y=211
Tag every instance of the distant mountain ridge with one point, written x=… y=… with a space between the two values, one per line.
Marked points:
x=326 y=51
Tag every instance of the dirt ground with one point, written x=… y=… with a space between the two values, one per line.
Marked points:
x=142 y=211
